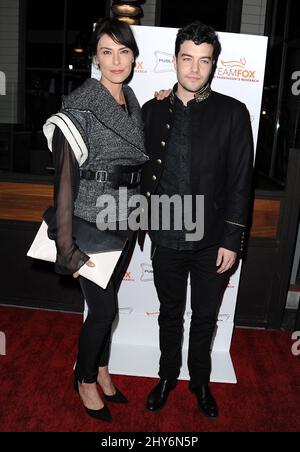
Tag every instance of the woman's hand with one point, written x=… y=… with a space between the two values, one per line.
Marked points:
x=88 y=263
x=162 y=94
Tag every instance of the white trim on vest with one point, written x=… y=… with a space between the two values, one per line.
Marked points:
x=70 y=132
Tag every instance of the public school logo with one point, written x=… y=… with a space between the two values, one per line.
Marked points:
x=147 y=272
x=126 y=311
x=2 y=84
x=164 y=62
x=224 y=317
x=236 y=70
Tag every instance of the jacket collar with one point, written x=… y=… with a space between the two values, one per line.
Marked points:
x=199 y=96
x=92 y=96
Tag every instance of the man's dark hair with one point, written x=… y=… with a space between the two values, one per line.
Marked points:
x=199 y=33
x=118 y=31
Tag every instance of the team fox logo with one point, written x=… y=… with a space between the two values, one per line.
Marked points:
x=236 y=68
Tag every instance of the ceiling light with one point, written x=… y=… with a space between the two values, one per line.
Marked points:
x=127 y=10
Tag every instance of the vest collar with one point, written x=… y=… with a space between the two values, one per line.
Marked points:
x=92 y=96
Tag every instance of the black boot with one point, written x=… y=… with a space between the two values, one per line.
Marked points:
x=158 y=397
x=206 y=402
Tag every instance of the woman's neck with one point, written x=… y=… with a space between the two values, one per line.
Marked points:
x=115 y=89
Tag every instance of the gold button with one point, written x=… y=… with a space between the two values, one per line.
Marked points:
x=159 y=161
x=148 y=194
x=154 y=177
x=163 y=143
x=168 y=126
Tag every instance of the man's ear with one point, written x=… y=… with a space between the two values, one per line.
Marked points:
x=175 y=62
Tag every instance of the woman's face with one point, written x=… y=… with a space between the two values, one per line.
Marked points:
x=115 y=61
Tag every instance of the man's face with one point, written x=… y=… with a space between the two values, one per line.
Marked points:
x=194 y=64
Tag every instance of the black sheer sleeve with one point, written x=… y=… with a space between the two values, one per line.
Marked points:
x=66 y=183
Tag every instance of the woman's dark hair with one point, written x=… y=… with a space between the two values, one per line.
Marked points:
x=199 y=33
x=118 y=31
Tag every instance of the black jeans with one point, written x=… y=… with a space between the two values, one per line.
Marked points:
x=95 y=335
x=171 y=269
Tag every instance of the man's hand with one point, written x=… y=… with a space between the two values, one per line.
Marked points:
x=162 y=94
x=226 y=260
x=88 y=263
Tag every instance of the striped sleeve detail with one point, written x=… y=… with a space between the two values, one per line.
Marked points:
x=71 y=133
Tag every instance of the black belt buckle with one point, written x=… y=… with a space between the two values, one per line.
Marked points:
x=101 y=176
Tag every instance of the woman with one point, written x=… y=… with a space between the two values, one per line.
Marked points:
x=98 y=147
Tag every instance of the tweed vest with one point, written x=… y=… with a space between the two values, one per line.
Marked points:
x=112 y=137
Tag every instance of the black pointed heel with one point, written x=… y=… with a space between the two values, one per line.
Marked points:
x=103 y=414
x=118 y=397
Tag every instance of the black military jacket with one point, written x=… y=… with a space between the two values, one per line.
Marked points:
x=221 y=163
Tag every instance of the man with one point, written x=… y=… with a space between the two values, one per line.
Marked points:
x=199 y=143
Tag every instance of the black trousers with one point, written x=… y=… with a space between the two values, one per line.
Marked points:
x=95 y=335
x=171 y=269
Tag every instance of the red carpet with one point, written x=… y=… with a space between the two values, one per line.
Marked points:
x=37 y=395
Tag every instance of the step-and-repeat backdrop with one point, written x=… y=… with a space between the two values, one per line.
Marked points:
x=240 y=74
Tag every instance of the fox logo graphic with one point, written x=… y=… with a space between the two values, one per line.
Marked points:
x=128 y=276
x=241 y=63
x=139 y=66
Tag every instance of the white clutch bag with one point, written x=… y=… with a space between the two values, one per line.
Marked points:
x=44 y=249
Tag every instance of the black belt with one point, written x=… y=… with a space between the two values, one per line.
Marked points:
x=120 y=176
